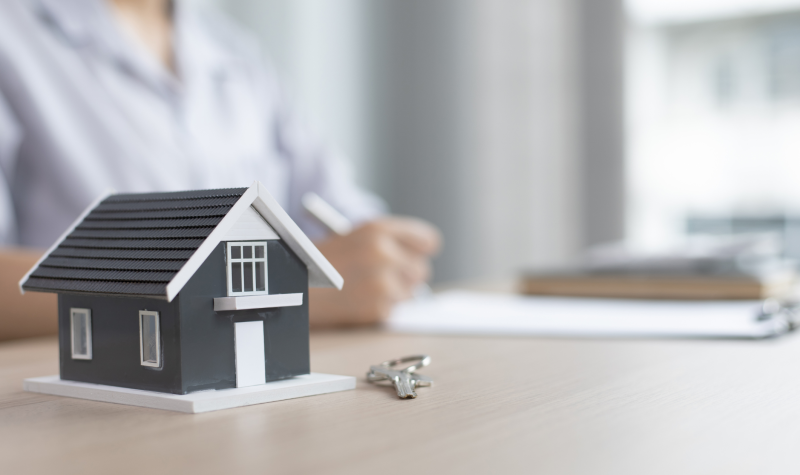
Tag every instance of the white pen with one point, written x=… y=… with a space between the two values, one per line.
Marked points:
x=326 y=214
x=338 y=224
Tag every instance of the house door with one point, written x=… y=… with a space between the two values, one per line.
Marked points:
x=250 y=364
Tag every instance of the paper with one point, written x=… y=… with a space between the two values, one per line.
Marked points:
x=472 y=313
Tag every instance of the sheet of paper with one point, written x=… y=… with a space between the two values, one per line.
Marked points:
x=461 y=312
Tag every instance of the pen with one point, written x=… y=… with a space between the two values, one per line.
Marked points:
x=326 y=214
x=338 y=224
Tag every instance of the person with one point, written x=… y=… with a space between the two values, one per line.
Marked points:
x=155 y=95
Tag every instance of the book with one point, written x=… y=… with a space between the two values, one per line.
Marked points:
x=654 y=285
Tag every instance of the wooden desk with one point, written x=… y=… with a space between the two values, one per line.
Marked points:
x=500 y=405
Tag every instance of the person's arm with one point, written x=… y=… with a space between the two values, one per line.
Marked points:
x=382 y=261
x=29 y=315
x=33 y=314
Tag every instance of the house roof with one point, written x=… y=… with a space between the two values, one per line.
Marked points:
x=150 y=244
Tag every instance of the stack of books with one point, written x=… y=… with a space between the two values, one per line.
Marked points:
x=737 y=276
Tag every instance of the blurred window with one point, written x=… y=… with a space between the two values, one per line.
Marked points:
x=713 y=111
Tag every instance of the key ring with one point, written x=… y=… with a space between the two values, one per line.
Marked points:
x=422 y=361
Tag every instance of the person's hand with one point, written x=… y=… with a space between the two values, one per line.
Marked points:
x=382 y=262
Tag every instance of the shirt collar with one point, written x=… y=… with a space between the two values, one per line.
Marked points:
x=77 y=22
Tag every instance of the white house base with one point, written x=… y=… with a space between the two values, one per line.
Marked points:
x=204 y=401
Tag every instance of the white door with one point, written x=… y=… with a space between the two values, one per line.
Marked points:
x=250 y=364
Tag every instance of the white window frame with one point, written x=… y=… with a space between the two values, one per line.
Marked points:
x=87 y=336
x=157 y=364
x=243 y=260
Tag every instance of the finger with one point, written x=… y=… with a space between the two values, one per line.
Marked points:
x=414 y=269
x=412 y=266
x=386 y=290
x=401 y=288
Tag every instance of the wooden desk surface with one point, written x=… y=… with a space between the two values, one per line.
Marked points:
x=500 y=405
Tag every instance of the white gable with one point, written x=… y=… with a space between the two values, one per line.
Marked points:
x=250 y=227
x=258 y=200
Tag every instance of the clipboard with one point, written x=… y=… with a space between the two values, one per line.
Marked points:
x=475 y=313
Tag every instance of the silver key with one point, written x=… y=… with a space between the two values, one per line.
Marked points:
x=401 y=380
x=420 y=381
x=405 y=380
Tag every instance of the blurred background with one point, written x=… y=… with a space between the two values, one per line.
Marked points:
x=531 y=130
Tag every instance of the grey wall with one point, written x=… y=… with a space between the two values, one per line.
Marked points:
x=115 y=343
x=419 y=109
x=601 y=39
x=476 y=112
x=197 y=343
x=498 y=120
x=207 y=337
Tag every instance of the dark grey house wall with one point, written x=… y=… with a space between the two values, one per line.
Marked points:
x=197 y=343
x=286 y=329
x=116 y=360
x=207 y=348
x=207 y=351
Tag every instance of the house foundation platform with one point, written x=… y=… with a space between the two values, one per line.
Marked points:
x=204 y=401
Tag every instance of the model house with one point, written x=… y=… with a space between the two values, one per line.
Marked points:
x=183 y=292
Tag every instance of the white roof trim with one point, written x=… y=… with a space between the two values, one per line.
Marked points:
x=108 y=192
x=208 y=246
x=320 y=272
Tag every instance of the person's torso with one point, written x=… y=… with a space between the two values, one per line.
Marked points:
x=98 y=113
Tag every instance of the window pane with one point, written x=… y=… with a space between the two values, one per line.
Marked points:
x=236 y=252
x=149 y=339
x=236 y=277
x=259 y=252
x=248 y=276
x=260 y=277
x=80 y=322
x=248 y=252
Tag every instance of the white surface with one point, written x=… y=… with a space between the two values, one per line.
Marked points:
x=204 y=401
x=320 y=272
x=497 y=314
x=258 y=301
x=250 y=227
x=250 y=358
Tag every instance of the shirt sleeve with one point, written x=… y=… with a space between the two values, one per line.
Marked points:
x=316 y=166
x=10 y=136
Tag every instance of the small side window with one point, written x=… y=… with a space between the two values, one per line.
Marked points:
x=149 y=338
x=81 y=333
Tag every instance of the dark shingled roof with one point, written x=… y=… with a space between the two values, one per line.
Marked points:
x=133 y=244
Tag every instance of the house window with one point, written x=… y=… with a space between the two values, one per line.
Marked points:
x=247 y=268
x=81 y=333
x=149 y=338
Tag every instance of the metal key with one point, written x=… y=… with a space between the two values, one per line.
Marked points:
x=420 y=381
x=401 y=380
x=404 y=380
